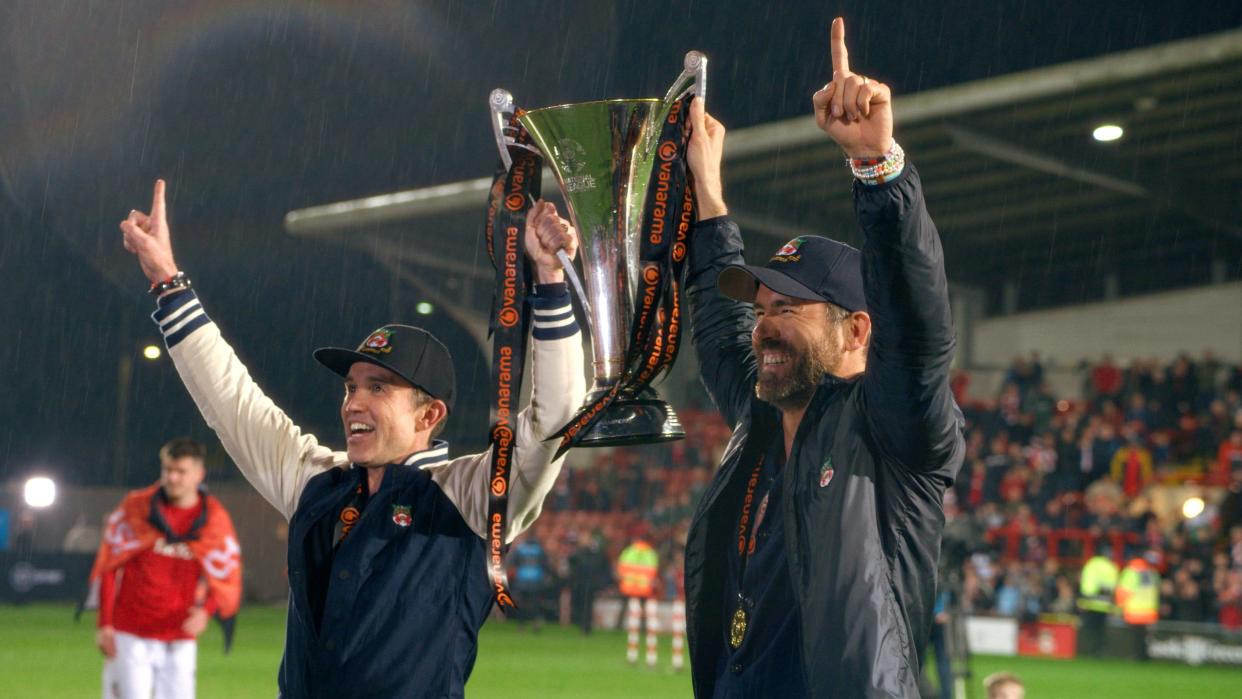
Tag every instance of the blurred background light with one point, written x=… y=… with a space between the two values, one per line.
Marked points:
x=40 y=492
x=1192 y=508
x=1107 y=132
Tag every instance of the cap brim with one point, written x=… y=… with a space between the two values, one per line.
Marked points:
x=741 y=282
x=339 y=360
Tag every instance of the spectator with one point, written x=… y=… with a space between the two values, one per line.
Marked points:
x=1228 y=458
x=1208 y=372
x=1104 y=446
x=23 y=536
x=589 y=572
x=1131 y=466
x=1186 y=601
x=530 y=580
x=1062 y=601
x=1106 y=378
x=82 y=537
x=1229 y=596
x=1231 y=506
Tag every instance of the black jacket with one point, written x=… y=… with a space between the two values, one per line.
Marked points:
x=863 y=549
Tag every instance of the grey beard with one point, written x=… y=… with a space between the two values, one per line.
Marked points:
x=795 y=391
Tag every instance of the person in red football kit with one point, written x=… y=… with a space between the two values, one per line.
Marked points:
x=168 y=562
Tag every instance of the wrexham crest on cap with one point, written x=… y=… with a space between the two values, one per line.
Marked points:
x=401 y=515
x=789 y=253
x=380 y=342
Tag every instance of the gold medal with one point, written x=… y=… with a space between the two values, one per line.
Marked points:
x=737 y=629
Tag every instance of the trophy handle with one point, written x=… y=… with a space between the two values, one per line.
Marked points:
x=501 y=104
x=693 y=78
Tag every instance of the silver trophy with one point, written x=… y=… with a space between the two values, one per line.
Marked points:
x=602 y=155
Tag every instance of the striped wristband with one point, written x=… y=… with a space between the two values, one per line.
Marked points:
x=553 y=314
x=178 y=315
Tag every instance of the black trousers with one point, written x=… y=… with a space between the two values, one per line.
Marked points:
x=1091 y=634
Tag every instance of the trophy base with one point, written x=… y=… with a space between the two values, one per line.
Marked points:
x=643 y=419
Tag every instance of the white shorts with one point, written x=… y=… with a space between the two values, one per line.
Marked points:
x=144 y=668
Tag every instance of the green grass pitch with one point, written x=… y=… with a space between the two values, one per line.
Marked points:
x=44 y=654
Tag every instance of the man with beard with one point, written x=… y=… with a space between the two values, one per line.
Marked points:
x=811 y=561
x=387 y=554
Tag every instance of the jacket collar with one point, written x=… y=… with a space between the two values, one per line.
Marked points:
x=438 y=451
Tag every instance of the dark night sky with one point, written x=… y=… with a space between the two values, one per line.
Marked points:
x=252 y=108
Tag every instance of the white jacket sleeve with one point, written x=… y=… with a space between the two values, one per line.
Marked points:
x=268 y=448
x=558 y=388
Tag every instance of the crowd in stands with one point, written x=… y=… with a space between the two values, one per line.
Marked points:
x=1047 y=481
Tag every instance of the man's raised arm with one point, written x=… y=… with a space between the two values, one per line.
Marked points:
x=558 y=388
x=719 y=326
x=906 y=385
x=266 y=445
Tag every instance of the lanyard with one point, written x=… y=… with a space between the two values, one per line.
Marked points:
x=748 y=530
x=513 y=191
x=350 y=512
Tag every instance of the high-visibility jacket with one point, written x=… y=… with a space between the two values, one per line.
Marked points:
x=1095 y=589
x=638 y=567
x=1138 y=593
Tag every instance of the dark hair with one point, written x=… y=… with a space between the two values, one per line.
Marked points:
x=180 y=447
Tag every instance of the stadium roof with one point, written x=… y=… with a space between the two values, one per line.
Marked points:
x=1023 y=194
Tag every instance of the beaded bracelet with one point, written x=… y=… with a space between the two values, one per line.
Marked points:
x=176 y=281
x=874 y=171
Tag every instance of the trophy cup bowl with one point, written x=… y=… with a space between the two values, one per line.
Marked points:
x=601 y=154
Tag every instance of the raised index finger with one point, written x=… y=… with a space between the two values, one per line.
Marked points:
x=157 y=202
x=840 y=56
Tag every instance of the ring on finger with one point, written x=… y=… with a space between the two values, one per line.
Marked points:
x=866 y=80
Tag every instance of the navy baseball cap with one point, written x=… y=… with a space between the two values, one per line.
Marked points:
x=411 y=353
x=808 y=267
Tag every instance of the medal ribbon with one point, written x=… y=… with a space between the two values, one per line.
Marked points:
x=512 y=192
x=739 y=622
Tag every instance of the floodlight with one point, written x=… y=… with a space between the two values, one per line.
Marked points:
x=1107 y=132
x=40 y=492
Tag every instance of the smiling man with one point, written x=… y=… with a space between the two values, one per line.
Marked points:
x=386 y=557
x=811 y=561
